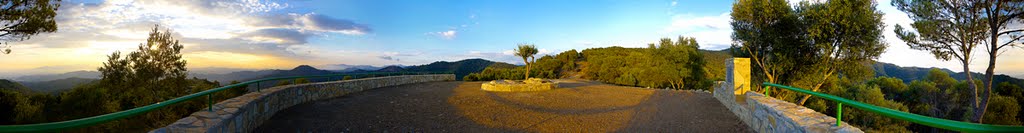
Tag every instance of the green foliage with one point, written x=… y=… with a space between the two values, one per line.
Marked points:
x=869 y=121
x=558 y=66
x=301 y=81
x=676 y=65
x=526 y=51
x=670 y=64
x=23 y=18
x=347 y=77
x=894 y=88
x=13 y=86
x=12 y=103
x=496 y=72
x=1013 y=91
x=769 y=32
x=284 y=82
x=459 y=68
x=1002 y=110
x=154 y=71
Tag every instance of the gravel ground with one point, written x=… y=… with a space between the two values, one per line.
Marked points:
x=577 y=106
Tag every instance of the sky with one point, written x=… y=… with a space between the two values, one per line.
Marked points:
x=259 y=34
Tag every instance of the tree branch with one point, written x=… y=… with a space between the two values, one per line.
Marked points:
x=1008 y=32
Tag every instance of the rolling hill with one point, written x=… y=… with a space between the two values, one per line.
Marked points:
x=909 y=74
x=56 y=86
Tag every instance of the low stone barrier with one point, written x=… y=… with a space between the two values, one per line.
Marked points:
x=767 y=114
x=245 y=113
x=533 y=84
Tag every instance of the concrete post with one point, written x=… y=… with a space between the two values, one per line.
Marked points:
x=737 y=75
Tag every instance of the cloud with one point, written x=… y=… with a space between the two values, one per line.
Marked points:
x=504 y=56
x=674 y=3
x=712 y=32
x=319 y=22
x=276 y=35
x=388 y=58
x=450 y=34
x=585 y=43
x=690 y=22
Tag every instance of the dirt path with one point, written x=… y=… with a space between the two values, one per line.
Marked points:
x=578 y=106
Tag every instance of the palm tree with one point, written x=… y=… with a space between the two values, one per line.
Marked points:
x=526 y=50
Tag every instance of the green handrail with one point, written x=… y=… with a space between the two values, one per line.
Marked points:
x=89 y=121
x=915 y=118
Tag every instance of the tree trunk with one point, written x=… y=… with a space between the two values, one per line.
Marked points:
x=816 y=88
x=527 y=71
x=987 y=92
x=804 y=99
x=992 y=53
x=975 y=101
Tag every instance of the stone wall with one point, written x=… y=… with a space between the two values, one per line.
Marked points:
x=767 y=114
x=245 y=113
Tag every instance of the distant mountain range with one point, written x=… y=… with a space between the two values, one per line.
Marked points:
x=54 y=83
x=56 y=86
x=351 y=68
x=909 y=74
x=49 y=77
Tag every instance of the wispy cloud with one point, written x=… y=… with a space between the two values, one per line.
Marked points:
x=450 y=34
x=712 y=32
x=388 y=58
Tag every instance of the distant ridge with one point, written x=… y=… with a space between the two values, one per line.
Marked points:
x=909 y=74
x=49 y=77
x=59 y=82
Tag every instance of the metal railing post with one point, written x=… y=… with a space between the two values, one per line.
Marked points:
x=258 y=85
x=766 y=91
x=209 y=101
x=839 y=113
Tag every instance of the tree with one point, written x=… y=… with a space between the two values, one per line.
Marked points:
x=301 y=81
x=155 y=69
x=998 y=15
x=871 y=94
x=894 y=88
x=1004 y=111
x=806 y=46
x=846 y=33
x=152 y=73
x=283 y=83
x=1013 y=91
x=949 y=29
x=347 y=77
x=770 y=34
x=23 y=18
x=526 y=50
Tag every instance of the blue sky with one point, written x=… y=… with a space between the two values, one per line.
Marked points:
x=256 y=34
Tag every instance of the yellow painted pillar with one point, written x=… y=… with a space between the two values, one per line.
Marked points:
x=738 y=75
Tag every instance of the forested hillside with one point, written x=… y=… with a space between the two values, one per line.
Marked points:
x=916 y=73
x=667 y=64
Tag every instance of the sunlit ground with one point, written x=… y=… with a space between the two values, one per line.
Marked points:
x=600 y=108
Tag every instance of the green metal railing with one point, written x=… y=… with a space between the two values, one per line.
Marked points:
x=89 y=121
x=915 y=118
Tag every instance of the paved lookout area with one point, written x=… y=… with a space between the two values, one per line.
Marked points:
x=576 y=106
